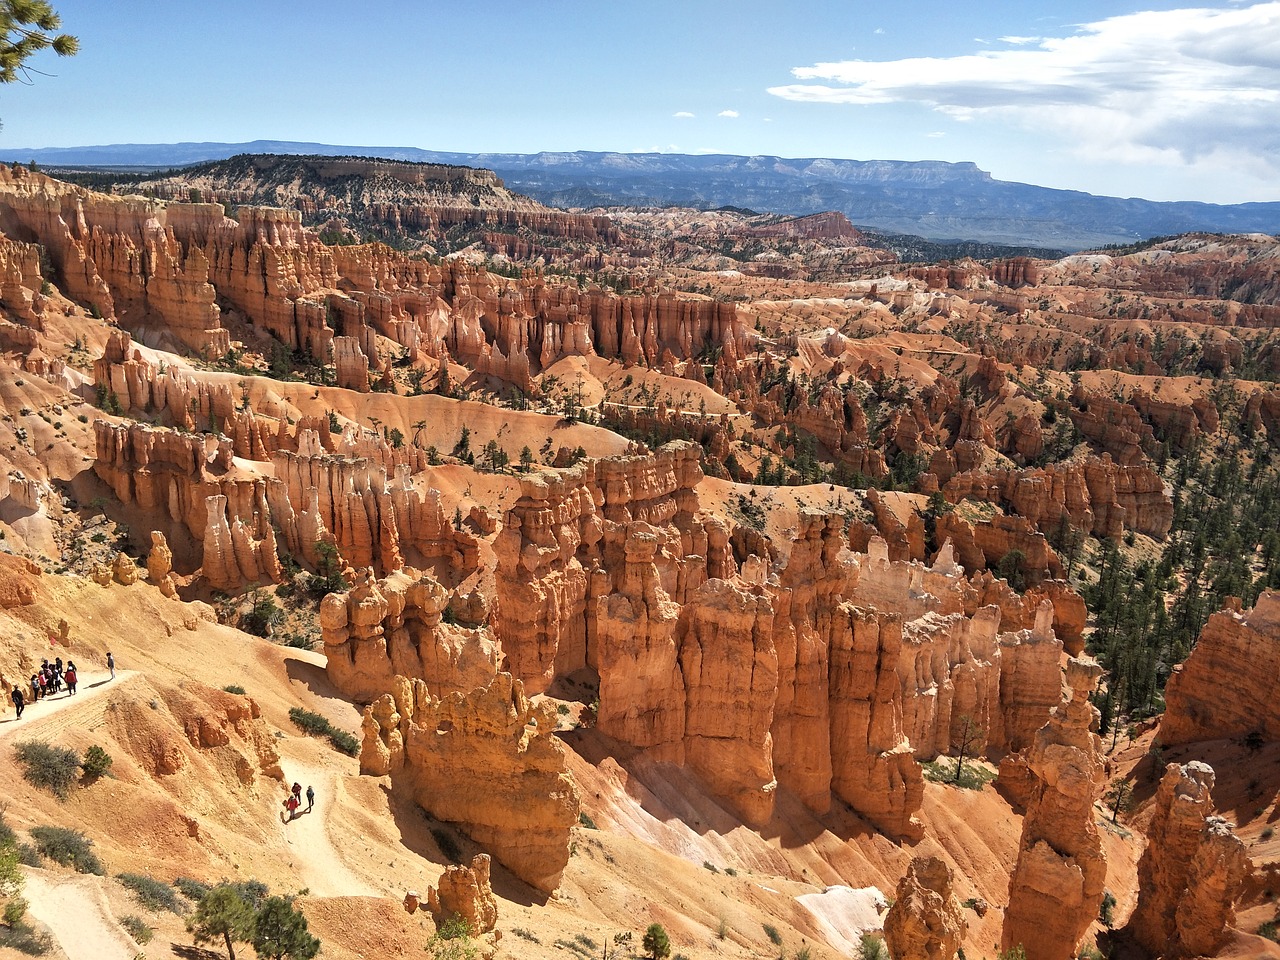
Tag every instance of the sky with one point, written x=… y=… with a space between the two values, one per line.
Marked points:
x=1161 y=100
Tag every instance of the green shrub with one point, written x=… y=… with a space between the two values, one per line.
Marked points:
x=708 y=865
x=29 y=856
x=313 y=723
x=772 y=933
x=656 y=943
x=96 y=762
x=51 y=768
x=344 y=742
x=872 y=947
x=138 y=929
x=524 y=934
x=308 y=721
x=193 y=890
x=1106 y=909
x=234 y=688
x=14 y=911
x=152 y=893
x=70 y=848
x=584 y=818
x=1270 y=930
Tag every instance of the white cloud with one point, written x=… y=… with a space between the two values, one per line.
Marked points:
x=728 y=113
x=878 y=31
x=935 y=133
x=1176 y=88
x=683 y=115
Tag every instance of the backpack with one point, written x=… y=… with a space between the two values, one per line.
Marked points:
x=71 y=676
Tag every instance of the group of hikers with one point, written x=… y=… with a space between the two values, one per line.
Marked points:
x=294 y=800
x=51 y=678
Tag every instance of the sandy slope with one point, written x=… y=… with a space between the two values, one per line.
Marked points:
x=75 y=909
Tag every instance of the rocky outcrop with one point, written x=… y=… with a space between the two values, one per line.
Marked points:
x=1094 y=495
x=381 y=629
x=873 y=768
x=1226 y=687
x=1057 y=884
x=307 y=494
x=485 y=760
x=464 y=892
x=1192 y=871
x=926 y=921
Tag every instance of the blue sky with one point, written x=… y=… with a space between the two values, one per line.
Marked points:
x=1163 y=100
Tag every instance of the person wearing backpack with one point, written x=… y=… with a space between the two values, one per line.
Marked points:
x=70 y=677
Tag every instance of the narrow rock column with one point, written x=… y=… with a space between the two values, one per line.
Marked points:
x=1057 y=885
x=1192 y=870
x=926 y=921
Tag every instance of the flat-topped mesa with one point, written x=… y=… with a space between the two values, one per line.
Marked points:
x=380 y=629
x=1226 y=687
x=1057 y=884
x=1192 y=870
x=485 y=760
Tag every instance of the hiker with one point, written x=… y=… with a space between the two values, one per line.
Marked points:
x=292 y=805
x=311 y=798
x=18 y=701
x=35 y=687
x=111 y=664
x=71 y=679
x=44 y=685
x=297 y=792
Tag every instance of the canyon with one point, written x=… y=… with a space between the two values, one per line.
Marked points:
x=731 y=579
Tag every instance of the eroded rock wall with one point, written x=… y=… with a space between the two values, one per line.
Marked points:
x=485 y=760
x=1226 y=687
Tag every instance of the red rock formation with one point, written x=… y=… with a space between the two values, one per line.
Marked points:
x=1057 y=883
x=926 y=921
x=1094 y=495
x=1226 y=687
x=485 y=760
x=872 y=765
x=380 y=629
x=308 y=495
x=464 y=892
x=1191 y=872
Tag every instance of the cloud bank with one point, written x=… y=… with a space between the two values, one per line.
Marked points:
x=1181 y=87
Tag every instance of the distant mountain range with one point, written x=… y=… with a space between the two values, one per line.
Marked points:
x=930 y=199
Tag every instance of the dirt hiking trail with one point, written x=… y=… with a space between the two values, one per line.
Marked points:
x=90 y=687
x=75 y=909
x=318 y=861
